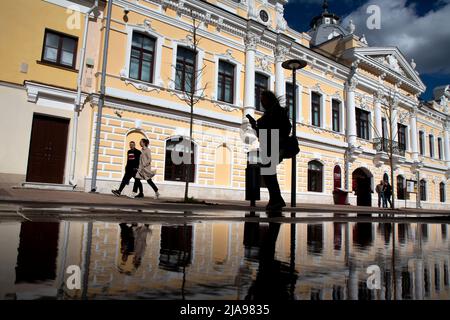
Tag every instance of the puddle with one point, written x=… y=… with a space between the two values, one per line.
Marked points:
x=230 y=260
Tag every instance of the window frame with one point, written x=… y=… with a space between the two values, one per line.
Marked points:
x=338 y=112
x=316 y=109
x=142 y=51
x=401 y=191
x=317 y=174
x=423 y=190
x=222 y=77
x=359 y=122
x=173 y=166
x=194 y=67
x=61 y=37
x=442 y=192
x=431 y=145
x=421 y=143
x=440 y=154
x=402 y=135
x=259 y=89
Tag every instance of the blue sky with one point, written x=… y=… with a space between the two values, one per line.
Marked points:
x=419 y=28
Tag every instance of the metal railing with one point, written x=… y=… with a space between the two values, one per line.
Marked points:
x=384 y=145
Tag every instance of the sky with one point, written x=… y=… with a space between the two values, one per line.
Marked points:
x=419 y=28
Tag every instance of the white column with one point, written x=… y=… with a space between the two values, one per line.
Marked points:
x=447 y=143
x=394 y=123
x=413 y=136
x=249 y=86
x=280 y=82
x=378 y=122
x=351 y=115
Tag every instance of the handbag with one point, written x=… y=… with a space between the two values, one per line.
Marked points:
x=289 y=148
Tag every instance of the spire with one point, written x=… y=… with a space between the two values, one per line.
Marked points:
x=325 y=6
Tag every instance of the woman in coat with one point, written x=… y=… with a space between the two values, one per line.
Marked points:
x=144 y=171
x=275 y=118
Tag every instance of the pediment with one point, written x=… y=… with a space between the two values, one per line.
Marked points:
x=393 y=60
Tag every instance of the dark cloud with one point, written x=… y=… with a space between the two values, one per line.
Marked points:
x=424 y=37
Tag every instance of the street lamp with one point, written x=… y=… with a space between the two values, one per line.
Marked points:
x=294 y=65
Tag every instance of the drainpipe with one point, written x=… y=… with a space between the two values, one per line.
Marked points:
x=77 y=107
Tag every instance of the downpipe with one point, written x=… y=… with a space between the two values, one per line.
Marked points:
x=77 y=104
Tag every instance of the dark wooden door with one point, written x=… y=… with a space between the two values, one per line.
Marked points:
x=48 y=144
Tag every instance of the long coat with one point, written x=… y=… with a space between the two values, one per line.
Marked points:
x=145 y=171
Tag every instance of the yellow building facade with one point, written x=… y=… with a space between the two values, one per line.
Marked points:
x=349 y=96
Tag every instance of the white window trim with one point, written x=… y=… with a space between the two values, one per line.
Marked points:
x=157 y=80
x=323 y=176
x=341 y=113
x=299 y=114
x=237 y=101
x=199 y=63
x=323 y=97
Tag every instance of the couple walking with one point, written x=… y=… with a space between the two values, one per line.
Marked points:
x=384 y=191
x=138 y=167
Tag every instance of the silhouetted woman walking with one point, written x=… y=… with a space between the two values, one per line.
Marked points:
x=275 y=118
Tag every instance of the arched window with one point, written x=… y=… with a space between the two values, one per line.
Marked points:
x=177 y=161
x=337 y=177
x=423 y=190
x=442 y=192
x=401 y=191
x=315 y=175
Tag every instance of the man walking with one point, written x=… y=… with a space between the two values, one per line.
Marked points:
x=133 y=157
x=379 y=189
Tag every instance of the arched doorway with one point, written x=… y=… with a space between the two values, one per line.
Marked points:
x=362 y=186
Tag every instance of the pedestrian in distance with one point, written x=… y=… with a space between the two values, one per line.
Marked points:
x=144 y=171
x=380 y=191
x=387 y=194
x=133 y=157
x=274 y=118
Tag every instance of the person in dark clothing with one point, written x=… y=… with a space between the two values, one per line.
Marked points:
x=133 y=157
x=387 y=191
x=275 y=118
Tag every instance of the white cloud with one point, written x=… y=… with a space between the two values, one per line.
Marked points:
x=424 y=38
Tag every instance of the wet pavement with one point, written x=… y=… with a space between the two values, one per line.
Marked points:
x=227 y=255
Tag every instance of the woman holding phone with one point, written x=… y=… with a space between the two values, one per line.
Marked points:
x=274 y=118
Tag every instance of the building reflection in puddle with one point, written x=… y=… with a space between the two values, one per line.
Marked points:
x=224 y=260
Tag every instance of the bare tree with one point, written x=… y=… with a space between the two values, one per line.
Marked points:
x=387 y=140
x=191 y=94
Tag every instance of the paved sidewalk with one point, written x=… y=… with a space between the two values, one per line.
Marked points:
x=51 y=198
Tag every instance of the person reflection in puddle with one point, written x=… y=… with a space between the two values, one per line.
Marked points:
x=274 y=277
x=133 y=245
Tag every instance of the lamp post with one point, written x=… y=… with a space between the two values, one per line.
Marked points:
x=294 y=65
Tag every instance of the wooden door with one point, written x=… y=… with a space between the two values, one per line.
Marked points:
x=48 y=145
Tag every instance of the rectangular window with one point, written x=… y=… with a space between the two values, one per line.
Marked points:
x=142 y=57
x=185 y=69
x=422 y=143
x=315 y=109
x=431 y=138
x=261 y=85
x=362 y=124
x=225 y=82
x=402 y=129
x=440 y=148
x=60 y=49
x=290 y=98
x=336 y=115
